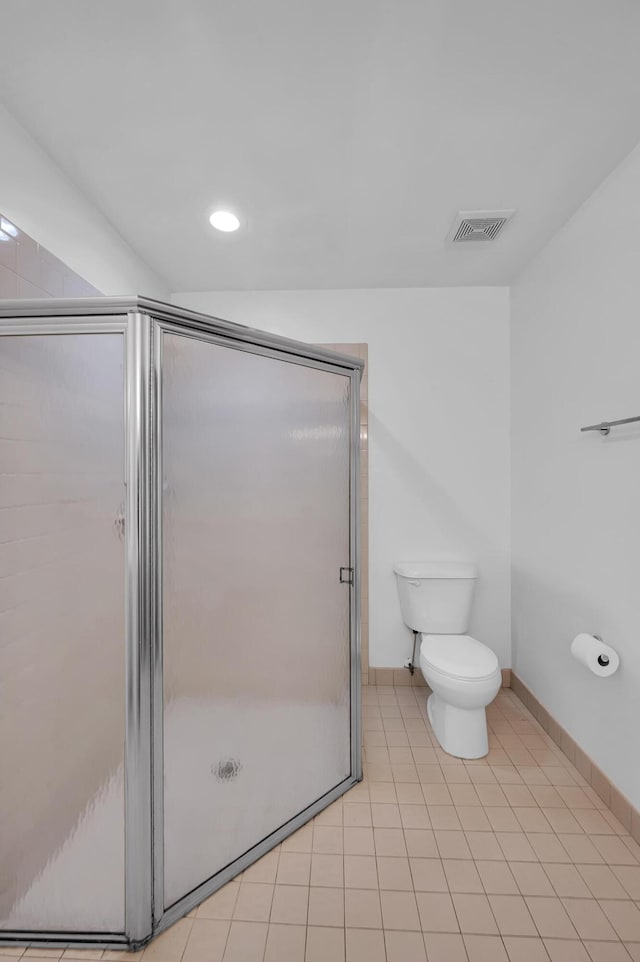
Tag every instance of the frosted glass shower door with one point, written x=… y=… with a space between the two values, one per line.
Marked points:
x=256 y=520
x=62 y=633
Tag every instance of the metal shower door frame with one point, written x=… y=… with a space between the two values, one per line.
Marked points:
x=234 y=337
x=142 y=322
x=32 y=318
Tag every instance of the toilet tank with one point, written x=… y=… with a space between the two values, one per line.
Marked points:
x=436 y=596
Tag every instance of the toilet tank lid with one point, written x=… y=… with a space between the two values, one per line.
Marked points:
x=435 y=569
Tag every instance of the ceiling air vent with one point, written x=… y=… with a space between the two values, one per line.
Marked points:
x=478 y=225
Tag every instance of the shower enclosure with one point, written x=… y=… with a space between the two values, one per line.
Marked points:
x=179 y=595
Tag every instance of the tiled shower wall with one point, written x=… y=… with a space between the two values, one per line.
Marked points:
x=29 y=270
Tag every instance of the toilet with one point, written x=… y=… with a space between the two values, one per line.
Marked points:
x=462 y=673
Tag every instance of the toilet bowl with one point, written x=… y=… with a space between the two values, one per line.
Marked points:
x=463 y=674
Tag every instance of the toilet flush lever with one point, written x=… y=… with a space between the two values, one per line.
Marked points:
x=349 y=578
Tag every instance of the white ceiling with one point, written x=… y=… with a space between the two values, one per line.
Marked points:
x=347 y=133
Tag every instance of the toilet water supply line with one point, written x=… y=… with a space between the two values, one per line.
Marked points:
x=412 y=664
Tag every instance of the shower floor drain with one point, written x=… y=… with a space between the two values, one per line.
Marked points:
x=227 y=769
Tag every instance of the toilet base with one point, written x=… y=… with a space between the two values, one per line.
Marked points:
x=461 y=732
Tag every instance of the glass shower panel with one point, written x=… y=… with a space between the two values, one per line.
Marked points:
x=256 y=622
x=62 y=694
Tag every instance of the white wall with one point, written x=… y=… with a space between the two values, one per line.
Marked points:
x=576 y=508
x=438 y=431
x=41 y=200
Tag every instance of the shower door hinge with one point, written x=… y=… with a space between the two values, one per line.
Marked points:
x=349 y=578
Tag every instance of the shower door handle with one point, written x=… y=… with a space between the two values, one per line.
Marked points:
x=349 y=579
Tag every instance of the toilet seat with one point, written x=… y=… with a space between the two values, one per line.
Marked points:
x=458 y=656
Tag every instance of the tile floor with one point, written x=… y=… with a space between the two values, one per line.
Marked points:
x=430 y=859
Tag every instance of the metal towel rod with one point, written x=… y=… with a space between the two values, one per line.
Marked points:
x=606 y=426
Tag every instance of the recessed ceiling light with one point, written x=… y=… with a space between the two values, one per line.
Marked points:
x=224 y=220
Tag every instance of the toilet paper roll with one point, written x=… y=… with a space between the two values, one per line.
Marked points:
x=598 y=657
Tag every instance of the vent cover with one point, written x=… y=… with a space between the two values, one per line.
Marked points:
x=478 y=225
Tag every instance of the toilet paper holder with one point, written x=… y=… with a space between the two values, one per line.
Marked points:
x=595 y=654
x=602 y=659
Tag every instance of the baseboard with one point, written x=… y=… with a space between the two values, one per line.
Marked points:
x=612 y=797
x=396 y=677
x=402 y=676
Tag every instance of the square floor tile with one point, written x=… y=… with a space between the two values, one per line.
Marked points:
x=290 y=904
x=436 y=794
x=485 y=948
x=445 y=947
x=602 y=882
x=629 y=877
x=462 y=876
x=254 y=902
x=362 y=909
x=474 y=914
x=399 y=911
x=383 y=792
x=409 y=794
x=491 y=795
x=613 y=850
x=324 y=943
x=360 y=872
x=567 y=881
x=389 y=841
x=547 y=847
x=326 y=907
x=421 y=843
x=473 y=818
x=394 y=873
x=358 y=841
x=516 y=847
x=512 y=915
x=452 y=844
x=246 y=942
x=414 y=816
x=207 y=940
x=625 y=919
x=285 y=942
x=521 y=949
x=328 y=839
x=589 y=920
x=294 y=868
x=566 y=950
x=405 y=947
x=327 y=870
x=496 y=878
x=437 y=913
x=580 y=849
x=385 y=815
x=550 y=918
x=484 y=845
x=364 y=945
x=428 y=875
